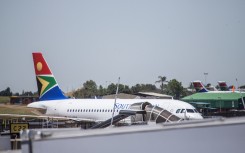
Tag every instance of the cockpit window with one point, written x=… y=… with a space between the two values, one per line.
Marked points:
x=190 y=110
x=195 y=110
x=178 y=110
x=183 y=111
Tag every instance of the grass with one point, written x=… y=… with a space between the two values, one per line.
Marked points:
x=4 y=99
x=15 y=109
x=6 y=108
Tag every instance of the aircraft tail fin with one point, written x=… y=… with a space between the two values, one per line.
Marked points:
x=223 y=86
x=199 y=87
x=48 y=88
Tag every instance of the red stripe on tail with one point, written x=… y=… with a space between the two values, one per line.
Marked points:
x=40 y=65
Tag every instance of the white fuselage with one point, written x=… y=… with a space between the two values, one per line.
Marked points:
x=101 y=109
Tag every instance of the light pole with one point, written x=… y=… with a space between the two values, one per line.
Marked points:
x=205 y=75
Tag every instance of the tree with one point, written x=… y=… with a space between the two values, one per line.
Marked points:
x=121 y=89
x=143 y=88
x=111 y=89
x=191 y=88
x=26 y=93
x=162 y=80
x=6 y=92
x=88 y=90
x=101 y=91
x=126 y=90
x=16 y=94
x=136 y=88
x=174 y=88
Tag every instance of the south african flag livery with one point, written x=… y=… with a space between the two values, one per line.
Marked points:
x=48 y=88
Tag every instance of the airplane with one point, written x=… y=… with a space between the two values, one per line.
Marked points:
x=199 y=87
x=56 y=104
x=223 y=86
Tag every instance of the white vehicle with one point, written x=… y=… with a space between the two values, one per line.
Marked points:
x=56 y=103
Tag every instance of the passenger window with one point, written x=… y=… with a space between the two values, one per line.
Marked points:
x=73 y=110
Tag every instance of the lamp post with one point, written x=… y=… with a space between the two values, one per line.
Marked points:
x=205 y=75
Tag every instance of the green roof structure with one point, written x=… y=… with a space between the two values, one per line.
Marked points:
x=226 y=100
x=215 y=96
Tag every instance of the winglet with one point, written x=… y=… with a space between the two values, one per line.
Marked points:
x=48 y=88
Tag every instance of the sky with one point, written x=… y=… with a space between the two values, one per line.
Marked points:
x=136 y=40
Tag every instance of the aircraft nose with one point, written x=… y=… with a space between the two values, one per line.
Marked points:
x=36 y=105
x=195 y=116
x=198 y=116
x=30 y=105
